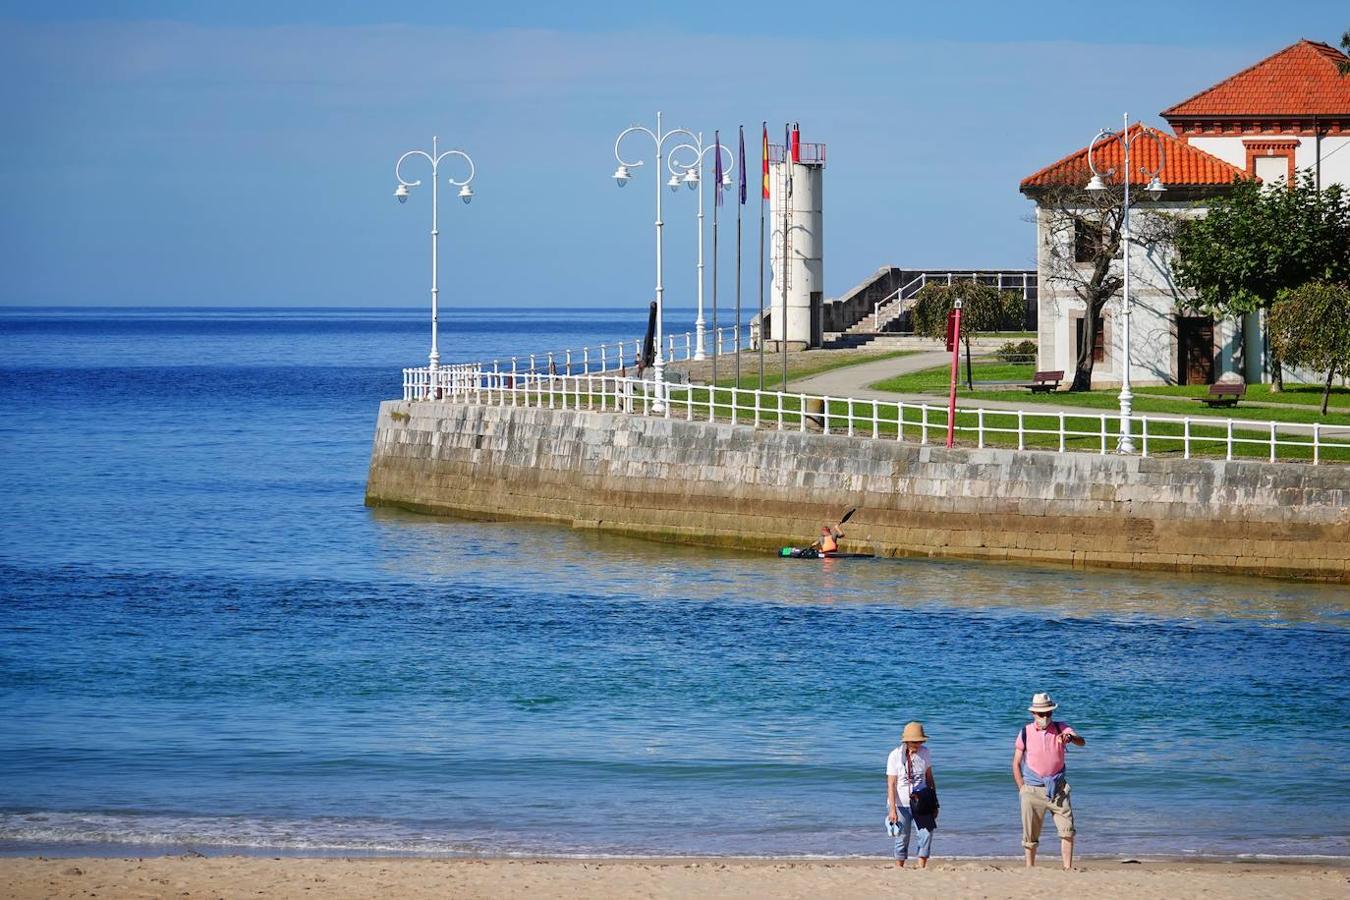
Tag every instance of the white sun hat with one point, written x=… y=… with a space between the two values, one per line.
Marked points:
x=1042 y=703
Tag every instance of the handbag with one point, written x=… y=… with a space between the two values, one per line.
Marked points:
x=924 y=801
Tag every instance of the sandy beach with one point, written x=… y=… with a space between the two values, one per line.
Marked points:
x=240 y=876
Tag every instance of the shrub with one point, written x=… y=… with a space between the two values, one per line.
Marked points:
x=1020 y=352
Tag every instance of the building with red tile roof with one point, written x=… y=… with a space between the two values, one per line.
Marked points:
x=1287 y=113
x=1183 y=166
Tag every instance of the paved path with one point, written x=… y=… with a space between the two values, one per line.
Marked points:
x=855 y=381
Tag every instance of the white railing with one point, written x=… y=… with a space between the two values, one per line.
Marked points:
x=601 y=358
x=880 y=419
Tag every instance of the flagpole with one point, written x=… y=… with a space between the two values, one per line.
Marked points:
x=764 y=188
x=717 y=202
x=740 y=201
x=787 y=205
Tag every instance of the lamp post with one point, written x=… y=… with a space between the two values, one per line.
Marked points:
x=621 y=177
x=691 y=175
x=1154 y=190
x=435 y=157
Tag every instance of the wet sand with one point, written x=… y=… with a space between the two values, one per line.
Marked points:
x=252 y=876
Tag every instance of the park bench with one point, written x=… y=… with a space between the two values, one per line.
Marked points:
x=1224 y=394
x=1044 y=382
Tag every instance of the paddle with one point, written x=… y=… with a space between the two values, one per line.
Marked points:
x=848 y=514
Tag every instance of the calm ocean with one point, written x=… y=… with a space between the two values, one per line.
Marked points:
x=206 y=640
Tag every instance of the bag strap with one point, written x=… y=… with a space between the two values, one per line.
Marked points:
x=909 y=769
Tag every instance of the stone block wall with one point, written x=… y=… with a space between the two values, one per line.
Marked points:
x=737 y=486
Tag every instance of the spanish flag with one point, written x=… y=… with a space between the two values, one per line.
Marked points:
x=766 y=161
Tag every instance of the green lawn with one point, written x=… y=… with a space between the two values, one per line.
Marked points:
x=1292 y=395
x=1167 y=401
x=1083 y=432
x=773 y=373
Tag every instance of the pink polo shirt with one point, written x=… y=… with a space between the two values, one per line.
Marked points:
x=1045 y=756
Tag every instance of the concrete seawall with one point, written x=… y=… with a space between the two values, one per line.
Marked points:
x=736 y=486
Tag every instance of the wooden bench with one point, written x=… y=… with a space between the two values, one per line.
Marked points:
x=1224 y=394
x=1044 y=382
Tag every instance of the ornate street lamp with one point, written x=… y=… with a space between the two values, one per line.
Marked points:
x=1154 y=189
x=621 y=176
x=402 y=193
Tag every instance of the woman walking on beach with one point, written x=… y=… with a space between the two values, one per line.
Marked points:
x=911 y=795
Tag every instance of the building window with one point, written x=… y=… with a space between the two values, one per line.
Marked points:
x=1271 y=159
x=1087 y=240
x=1098 y=342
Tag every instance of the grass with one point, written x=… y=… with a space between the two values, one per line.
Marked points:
x=1085 y=432
x=773 y=375
x=1168 y=401
x=1292 y=395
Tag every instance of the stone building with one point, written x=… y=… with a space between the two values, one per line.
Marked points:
x=1289 y=112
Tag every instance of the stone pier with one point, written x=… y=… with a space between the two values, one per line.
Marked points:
x=737 y=486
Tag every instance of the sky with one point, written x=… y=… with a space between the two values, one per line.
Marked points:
x=241 y=154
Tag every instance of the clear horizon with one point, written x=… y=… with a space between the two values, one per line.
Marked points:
x=178 y=154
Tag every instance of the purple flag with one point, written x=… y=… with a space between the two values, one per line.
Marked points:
x=741 y=158
x=718 y=174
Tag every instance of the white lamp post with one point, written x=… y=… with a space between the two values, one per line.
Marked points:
x=1154 y=189
x=465 y=194
x=621 y=176
x=691 y=174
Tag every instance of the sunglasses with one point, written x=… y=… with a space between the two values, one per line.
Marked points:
x=1042 y=715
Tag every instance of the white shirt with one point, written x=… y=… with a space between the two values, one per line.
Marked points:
x=919 y=762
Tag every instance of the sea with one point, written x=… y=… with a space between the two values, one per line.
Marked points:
x=208 y=642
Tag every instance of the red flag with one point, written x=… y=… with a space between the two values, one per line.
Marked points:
x=796 y=143
x=766 y=160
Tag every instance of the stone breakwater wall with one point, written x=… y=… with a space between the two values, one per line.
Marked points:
x=736 y=486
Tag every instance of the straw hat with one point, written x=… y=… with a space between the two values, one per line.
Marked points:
x=913 y=732
x=1042 y=703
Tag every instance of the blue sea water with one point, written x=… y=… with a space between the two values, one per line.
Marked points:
x=206 y=640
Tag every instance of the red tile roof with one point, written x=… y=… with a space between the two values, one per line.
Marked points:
x=1300 y=80
x=1184 y=165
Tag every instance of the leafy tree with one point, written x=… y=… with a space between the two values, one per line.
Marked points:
x=1082 y=231
x=1257 y=243
x=984 y=309
x=1344 y=65
x=1310 y=326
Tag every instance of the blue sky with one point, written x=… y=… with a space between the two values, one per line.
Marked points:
x=199 y=153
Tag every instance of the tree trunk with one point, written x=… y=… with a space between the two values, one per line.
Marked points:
x=1276 y=376
x=1326 y=391
x=1082 y=376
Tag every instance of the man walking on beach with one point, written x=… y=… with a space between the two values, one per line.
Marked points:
x=1038 y=770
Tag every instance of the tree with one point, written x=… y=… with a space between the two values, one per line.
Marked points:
x=1344 y=65
x=1082 y=233
x=1257 y=243
x=1310 y=326
x=984 y=309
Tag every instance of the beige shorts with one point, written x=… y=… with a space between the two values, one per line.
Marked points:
x=1034 y=807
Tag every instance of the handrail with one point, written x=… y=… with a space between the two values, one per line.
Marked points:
x=1054 y=431
x=605 y=357
x=899 y=295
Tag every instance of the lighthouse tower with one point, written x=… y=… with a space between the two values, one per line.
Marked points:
x=797 y=244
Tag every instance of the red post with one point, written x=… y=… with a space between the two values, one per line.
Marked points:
x=954 y=345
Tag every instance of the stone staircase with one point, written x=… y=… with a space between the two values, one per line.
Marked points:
x=888 y=312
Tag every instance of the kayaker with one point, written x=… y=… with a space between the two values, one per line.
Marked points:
x=828 y=542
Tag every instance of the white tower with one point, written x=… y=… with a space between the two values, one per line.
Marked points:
x=796 y=199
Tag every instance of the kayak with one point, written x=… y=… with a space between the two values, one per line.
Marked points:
x=813 y=553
